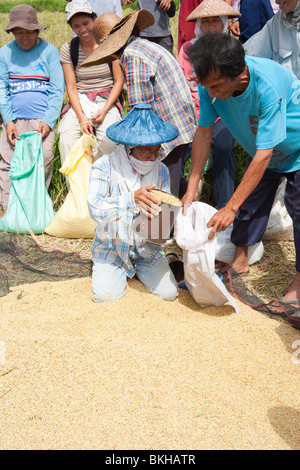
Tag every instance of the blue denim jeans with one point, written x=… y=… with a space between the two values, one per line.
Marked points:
x=109 y=281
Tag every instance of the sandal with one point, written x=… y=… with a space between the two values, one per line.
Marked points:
x=228 y=273
x=287 y=311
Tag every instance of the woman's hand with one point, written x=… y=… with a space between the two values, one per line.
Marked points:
x=98 y=118
x=192 y=78
x=235 y=28
x=11 y=132
x=164 y=4
x=147 y=202
x=44 y=129
x=87 y=128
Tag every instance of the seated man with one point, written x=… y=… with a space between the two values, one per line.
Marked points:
x=120 y=185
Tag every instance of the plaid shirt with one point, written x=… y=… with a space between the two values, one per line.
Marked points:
x=153 y=76
x=115 y=213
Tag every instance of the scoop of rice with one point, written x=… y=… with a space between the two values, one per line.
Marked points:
x=166 y=197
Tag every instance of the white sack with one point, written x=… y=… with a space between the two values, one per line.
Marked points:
x=191 y=235
x=225 y=249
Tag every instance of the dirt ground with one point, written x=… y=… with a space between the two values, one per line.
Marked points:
x=141 y=373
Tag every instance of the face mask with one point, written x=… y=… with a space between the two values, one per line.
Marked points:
x=142 y=167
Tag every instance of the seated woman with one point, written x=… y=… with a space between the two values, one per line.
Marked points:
x=93 y=92
x=211 y=16
x=120 y=185
x=32 y=90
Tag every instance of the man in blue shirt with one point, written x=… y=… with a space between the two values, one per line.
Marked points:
x=259 y=102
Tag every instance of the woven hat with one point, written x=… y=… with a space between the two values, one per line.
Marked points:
x=112 y=34
x=213 y=8
x=78 y=6
x=142 y=127
x=23 y=16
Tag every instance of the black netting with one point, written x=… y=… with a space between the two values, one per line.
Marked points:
x=22 y=261
x=272 y=308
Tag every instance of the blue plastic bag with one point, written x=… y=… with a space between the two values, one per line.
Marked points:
x=29 y=204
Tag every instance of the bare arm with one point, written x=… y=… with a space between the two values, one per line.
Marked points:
x=200 y=152
x=225 y=216
x=72 y=91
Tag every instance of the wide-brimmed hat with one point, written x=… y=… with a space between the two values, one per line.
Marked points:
x=78 y=6
x=213 y=8
x=141 y=127
x=23 y=16
x=112 y=34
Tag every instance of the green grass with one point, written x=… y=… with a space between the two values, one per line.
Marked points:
x=38 y=5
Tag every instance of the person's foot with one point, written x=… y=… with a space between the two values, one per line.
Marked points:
x=240 y=262
x=293 y=294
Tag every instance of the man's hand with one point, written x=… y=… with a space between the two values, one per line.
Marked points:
x=44 y=129
x=11 y=132
x=221 y=220
x=147 y=202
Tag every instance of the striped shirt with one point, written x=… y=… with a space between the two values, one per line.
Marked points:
x=115 y=213
x=153 y=75
x=91 y=78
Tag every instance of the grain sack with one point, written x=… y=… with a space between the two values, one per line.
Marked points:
x=191 y=235
x=225 y=249
x=73 y=219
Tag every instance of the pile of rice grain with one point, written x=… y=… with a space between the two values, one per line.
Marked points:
x=141 y=373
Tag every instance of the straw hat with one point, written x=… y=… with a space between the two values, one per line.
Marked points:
x=113 y=33
x=23 y=16
x=142 y=127
x=213 y=8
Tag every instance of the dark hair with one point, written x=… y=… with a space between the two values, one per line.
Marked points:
x=93 y=16
x=218 y=51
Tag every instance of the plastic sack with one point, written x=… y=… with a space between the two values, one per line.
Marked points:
x=29 y=204
x=280 y=224
x=191 y=235
x=225 y=249
x=73 y=219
